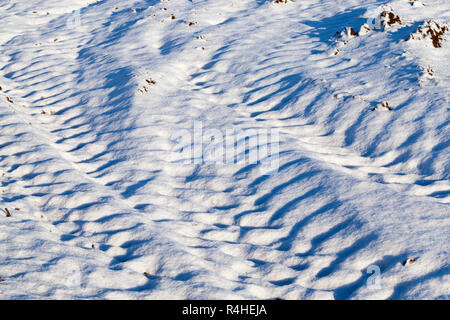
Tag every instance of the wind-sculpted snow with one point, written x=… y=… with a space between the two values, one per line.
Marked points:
x=109 y=196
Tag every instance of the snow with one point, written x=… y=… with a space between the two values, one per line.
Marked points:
x=104 y=104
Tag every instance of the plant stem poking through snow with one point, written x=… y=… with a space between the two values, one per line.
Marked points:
x=409 y=261
x=431 y=30
x=386 y=105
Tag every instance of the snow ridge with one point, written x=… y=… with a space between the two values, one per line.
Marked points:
x=93 y=92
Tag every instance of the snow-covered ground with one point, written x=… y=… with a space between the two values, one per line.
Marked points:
x=108 y=110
